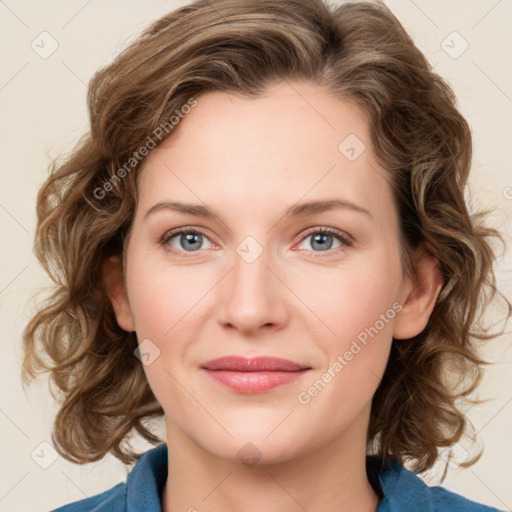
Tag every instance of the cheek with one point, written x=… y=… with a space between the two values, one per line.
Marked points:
x=351 y=300
x=356 y=356
x=353 y=326
x=164 y=298
x=162 y=305
x=168 y=306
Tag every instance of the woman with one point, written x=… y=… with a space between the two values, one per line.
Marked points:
x=264 y=238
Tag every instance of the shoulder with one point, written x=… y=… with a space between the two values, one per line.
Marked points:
x=404 y=490
x=447 y=500
x=141 y=491
x=113 y=500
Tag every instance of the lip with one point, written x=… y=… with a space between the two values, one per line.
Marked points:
x=254 y=364
x=254 y=375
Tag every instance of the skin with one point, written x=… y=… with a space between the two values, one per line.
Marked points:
x=249 y=160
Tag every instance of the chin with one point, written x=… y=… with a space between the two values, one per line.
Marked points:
x=250 y=446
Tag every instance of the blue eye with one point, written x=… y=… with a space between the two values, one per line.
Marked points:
x=190 y=240
x=322 y=239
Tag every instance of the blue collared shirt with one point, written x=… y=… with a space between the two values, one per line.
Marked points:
x=402 y=490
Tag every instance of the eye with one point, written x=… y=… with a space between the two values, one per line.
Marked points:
x=189 y=240
x=185 y=239
x=322 y=239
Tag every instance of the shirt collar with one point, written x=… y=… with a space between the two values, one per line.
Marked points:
x=146 y=481
x=402 y=490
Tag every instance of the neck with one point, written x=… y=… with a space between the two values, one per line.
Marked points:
x=329 y=477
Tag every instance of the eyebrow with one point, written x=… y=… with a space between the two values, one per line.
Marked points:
x=296 y=210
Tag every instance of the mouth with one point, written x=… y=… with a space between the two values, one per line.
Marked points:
x=254 y=375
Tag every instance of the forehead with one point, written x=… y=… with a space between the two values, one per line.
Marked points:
x=296 y=141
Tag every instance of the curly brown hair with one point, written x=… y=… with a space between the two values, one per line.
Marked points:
x=361 y=53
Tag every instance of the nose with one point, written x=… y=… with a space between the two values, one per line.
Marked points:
x=253 y=297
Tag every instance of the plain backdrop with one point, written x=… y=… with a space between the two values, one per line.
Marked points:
x=50 y=51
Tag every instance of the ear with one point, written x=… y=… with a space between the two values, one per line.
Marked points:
x=418 y=295
x=112 y=275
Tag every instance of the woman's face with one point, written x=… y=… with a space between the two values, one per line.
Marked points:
x=251 y=279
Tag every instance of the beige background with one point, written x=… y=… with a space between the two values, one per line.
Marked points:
x=43 y=111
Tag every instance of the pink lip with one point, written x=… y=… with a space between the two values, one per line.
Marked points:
x=253 y=375
x=255 y=364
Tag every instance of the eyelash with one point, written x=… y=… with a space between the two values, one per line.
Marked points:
x=344 y=239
